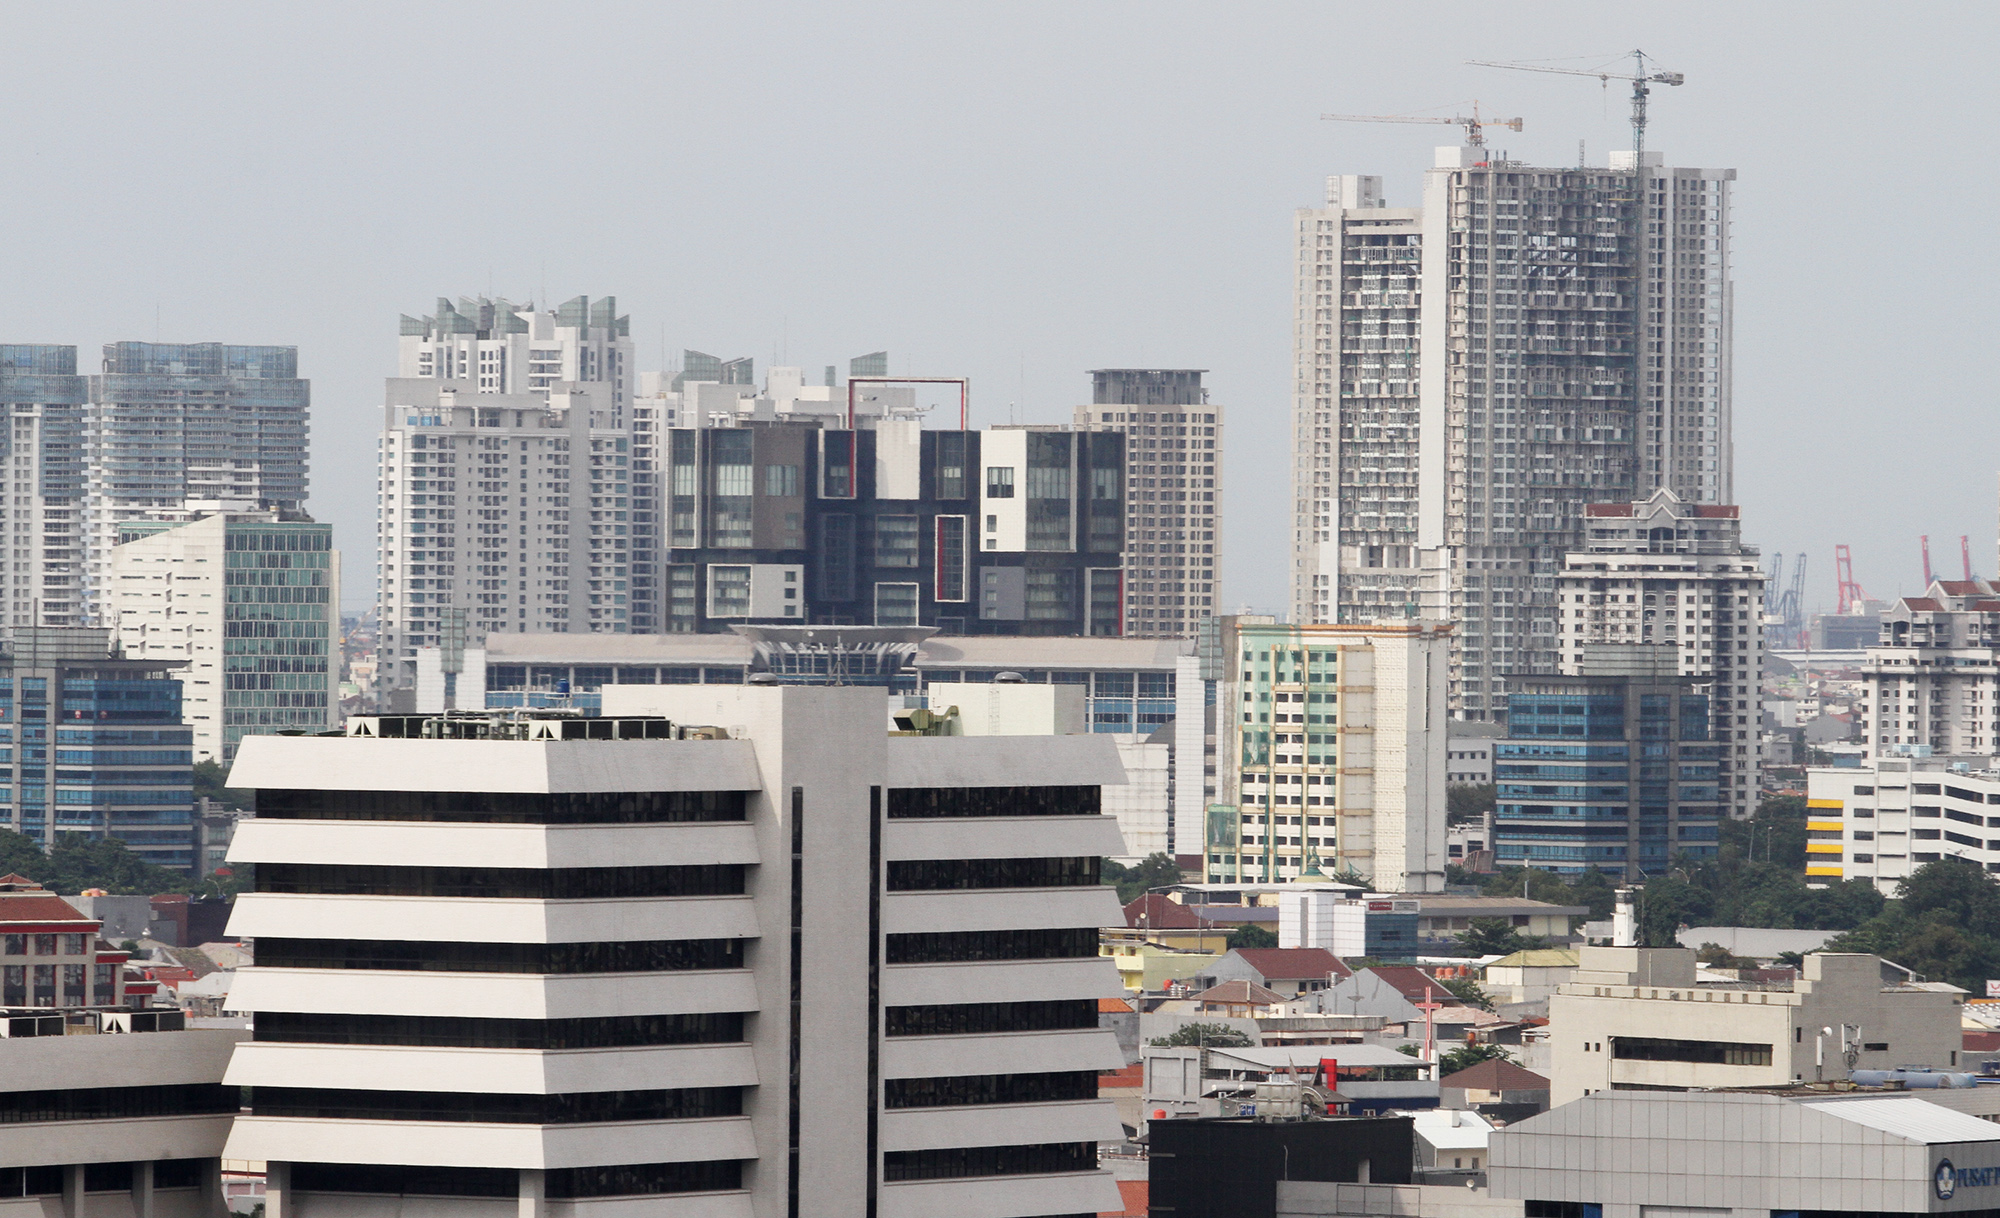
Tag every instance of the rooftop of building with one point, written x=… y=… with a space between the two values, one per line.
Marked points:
x=24 y=902
x=1495 y=1074
x=1540 y=957
x=1239 y=993
x=1292 y=963
x=936 y=651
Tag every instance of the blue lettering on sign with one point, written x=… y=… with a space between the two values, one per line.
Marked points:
x=1948 y=1179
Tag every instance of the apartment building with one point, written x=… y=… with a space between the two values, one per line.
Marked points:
x=42 y=485
x=1331 y=754
x=250 y=601
x=1665 y=572
x=1469 y=374
x=1632 y=1018
x=1173 y=493
x=504 y=348
x=1613 y=768
x=1932 y=678
x=1892 y=815
x=95 y=1123
x=171 y=422
x=499 y=512
x=50 y=954
x=112 y=727
x=753 y=957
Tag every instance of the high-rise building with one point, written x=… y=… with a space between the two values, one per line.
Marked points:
x=832 y=972
x=173 y=422
x=42 y=485
x=1932 y=677
x=1331 y=744
x=251 y=602
x=1612 y=768
x=1173 y=493
x=499 y=512
x=1471 y=373
x=500 y=347
x=1678 y=574
x=112 y=728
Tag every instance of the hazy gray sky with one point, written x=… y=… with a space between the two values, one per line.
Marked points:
x=1011 y=192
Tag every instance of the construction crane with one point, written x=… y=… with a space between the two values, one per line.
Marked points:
x=1640 y=79
x=1850 y=594
x=1795 y=604
x=1474 y=126
x=1965 y=555
x=1928 y=577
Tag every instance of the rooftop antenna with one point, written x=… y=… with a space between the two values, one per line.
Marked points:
x=1640 y=79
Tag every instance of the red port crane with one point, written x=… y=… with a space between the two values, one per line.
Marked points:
x=1965 y=555
x=1850 y=594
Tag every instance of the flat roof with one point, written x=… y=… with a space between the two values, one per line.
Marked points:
x=998 y=652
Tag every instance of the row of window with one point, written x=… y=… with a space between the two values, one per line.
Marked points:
x=967 y=1089
x=930 y=802
x=105 y=1103
x=604 y=1032
x=616 y=1180
x=982 y=1018
x=494 y=807
x=47 y=1180
x=44 y=945
x=645 y=956
x=576 y=1108
x=961 y=1161
x=953 y=947
x=918 y=875
x=555 y=884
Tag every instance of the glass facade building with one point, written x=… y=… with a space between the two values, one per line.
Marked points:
x=1615 y=773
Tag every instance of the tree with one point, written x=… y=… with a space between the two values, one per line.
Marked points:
x=1465 y=1057
x=1467 y=991
x=1496 y=937
x=211 y=780
x=1252 y=936
x=1468 y=803
x=1156 y=870
x=1717 y=956
x=78 y=862
x=1215 y=1035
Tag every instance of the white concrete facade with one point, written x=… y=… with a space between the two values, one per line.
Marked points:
x=850 y=949
x=1881 y=821
x=1635 y=1018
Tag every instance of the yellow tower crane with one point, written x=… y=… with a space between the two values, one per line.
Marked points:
x=1474 y=126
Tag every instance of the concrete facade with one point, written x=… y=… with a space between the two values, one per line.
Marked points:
x=1634 y=1017
x=1885 y=819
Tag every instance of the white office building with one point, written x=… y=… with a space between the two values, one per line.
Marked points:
x=756 y=957
x=1932 y=680
x=1469 y=374
x=1664 y=571
x=1890 y=816
x=1173 y=493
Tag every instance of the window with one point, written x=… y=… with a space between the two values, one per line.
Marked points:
x=953 y=547
x=989 y=1089
x=1701 y=1052
x=555 y=884
x=895 y=604
x=999 y=482
x=602 y=1032
x=501 y=1108
x=982 y=1018
x=924 y=875
x=637 y=956
x=951 y=465
x=942 y=947
x=959 y=1162
x=927 y=802
x=781 y=481
x=895 y=541
x=729 y=591
x=595 y=808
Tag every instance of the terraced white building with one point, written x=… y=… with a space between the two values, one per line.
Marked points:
x=797 y=967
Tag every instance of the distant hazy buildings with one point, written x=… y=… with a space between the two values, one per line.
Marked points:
x=1173 y=493
x=1471 y=373
x=251 y=602
x=42 y=485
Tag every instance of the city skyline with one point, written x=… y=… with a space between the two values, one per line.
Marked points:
x=1195 y=275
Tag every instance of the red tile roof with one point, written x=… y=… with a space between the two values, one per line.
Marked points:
x=1607 y=509
x=1921 y=602
x=1293 y=963
x=1132 y=1076
x=1136 y=1197
x=1495 y=1075
x=1113 y=1006
x=1978 y=1041
x=1959 y=587
x=39 y=907
x=1153 y=910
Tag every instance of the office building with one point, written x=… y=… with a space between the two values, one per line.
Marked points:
x=1173 y=493
x=1931 y=679
x=42 y=485
x=1331 y=751
x=173 y=422
x=1632 y=1018
x=1469 y=752
x=1676 y=574
x=250 y=601
x=495 y=346
x=1883 y=820
x=832 y=972
x=1471 y=373
x=125 y=1124
x=1612 y=768
x=120 y=748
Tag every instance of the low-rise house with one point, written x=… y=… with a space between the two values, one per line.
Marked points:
x=1496 y=1089
x=1528 y=976
x=1290 y=971
x=50 y=954
x=1452 y=1139
x=1445 y=916
x=1238 y=1000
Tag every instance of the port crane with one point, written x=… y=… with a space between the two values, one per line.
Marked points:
x=1640 y=79
x=1475 y=127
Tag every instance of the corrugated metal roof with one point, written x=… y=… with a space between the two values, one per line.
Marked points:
x=1304 y=1057
x=1908 y=1116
